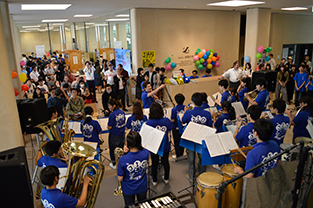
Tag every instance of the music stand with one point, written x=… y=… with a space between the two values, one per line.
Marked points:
x=148 y=175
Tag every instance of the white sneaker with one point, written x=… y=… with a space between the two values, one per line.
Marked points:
x=165 y=181
x=174 y=156
x=154 y=183
x=112 y=166
x=217 y=167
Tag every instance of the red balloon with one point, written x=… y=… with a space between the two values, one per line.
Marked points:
x=15 y=92
x=25 y=87
x=217 y=58
x=48 y=54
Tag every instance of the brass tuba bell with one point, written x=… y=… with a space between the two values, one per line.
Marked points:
x=118 y=152
x=253 y=94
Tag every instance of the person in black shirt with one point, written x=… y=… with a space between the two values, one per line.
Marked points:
x=151 y=74
x=119 y=84
x=139 y=80
x=106 y=96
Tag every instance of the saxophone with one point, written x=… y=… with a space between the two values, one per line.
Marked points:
x=118 y=152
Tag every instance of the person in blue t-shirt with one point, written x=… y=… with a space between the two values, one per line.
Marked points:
x=233 y=94
x=243 y=88
x=199 y=116
x=194 y=75
x=263 y=150
x=131 y=169
x=53 y=150
x=116 y=126
x=223 y=85
x=263 y=97
x=207 y=73
x=228 y=114
x=158 y=121
x=148 y=94
x=281 y=122
x=51 y=196
x=245 y=135
x=178 y=110
x=300 y=79
x=182 y=73
x=300 y=120
x=135 y=121
x=205 y=101
x=309 y=86
x=91 y=129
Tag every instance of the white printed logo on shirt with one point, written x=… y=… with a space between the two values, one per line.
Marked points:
x=269 y=165
x=136 y=124
x=252 y=139
x=281 y=130
x=46 y=204
x=198 y=119
x=137 y=169
x=87 y=130
x=266 y=100
x=162 y=128
x=120 y=120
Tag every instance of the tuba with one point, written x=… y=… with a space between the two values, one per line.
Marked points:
x=52 y=129
x=77 y=165
x=118 y=152
x=253 y=94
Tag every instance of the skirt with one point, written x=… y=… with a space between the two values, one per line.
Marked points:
x=98 y=80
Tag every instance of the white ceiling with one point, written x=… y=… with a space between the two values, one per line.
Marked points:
x=101 y=8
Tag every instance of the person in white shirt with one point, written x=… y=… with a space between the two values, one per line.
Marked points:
x=248 y=71
x=34 y=75
x=272 y=62
x=44 y=88
x=66 y=81
x=234 y=74
x=31 y=88
x=89 y=71
x=48 y=70
x=109 y=74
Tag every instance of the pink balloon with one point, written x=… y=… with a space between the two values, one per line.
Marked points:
x=203 y=51
x=260 y=49
x=217 y=64
x=168 y=67
x=22 y=63
x=196 y=58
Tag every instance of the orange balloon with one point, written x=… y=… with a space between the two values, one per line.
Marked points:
x=209 y=61
x=200 y=54
x=213 y=58
x=13 y=74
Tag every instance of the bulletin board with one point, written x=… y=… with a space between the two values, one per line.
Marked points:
x=107 y=53
x=73 y=59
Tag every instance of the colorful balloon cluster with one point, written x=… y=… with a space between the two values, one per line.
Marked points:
x=176 y=81
x=262 y=50
x=206 y=59
x=170 y=66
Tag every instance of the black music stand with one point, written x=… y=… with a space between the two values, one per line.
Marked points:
x=148 y=175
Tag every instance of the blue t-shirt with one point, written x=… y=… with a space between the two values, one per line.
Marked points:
x=233 y=99
x=301 y=121
x=226 y=97
x=165 y=125
x=132 y=167
x=141 y=85
x=199 y=116
x=205 y=105
x=310 y=87
x=91 y=131
x=133 y=124
x=206 y=76
x=241 y=96
x=262 y=99
x=191 y=77
x=219 y=122
x=281 y=124
x=54 y=198
x=300 y=78
x=117 y=121
x=261 y=152
x=47 y=160
x=147 y=101
x=178 y=109
x=245 y=136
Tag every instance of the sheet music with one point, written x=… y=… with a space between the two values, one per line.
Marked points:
x=210 y=101
x=94 y=145
x=211 y=109
x=167 y=112
x=309 y=127
x=75 y=125
x=227 y=141
x=204 y=131
x=61 y=182
x=232 y=128
x=218 y=95
x=240 y=111
x=146 y=112
x=267 y=114
x=151 y=138
x=214 y=145
x=103 y=123
x=191 y=131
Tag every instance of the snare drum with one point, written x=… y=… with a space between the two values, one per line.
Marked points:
x=207 y=184
x=233 y=191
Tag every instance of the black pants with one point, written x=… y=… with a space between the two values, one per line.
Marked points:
x=121 y=96
x=155 y=164
x=178 y=149
x=115 y=141
x=234 y=84
x=290 y=90
x=130 y=199
x=92 y=88
x=309 y=93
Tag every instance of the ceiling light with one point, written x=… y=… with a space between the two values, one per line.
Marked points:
x=122 y=15
x=83 y=15
x=24 y=31
x=294 y=8
x=31 y=26
x=57 y=24
x=89 y=23
x=55 y=20
x=116 y=20
x=45 y=6
x=235 y=3
x=42 y=30
x=32 y=29
x=101 y=24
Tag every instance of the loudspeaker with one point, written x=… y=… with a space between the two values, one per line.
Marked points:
x=270 y=77
x=16 y=189
x=32 y=112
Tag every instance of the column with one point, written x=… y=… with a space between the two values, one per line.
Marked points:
x=62 y=38
x=257 y=32
x=11 y=134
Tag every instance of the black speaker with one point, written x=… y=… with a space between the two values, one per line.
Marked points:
x=32 y=112
x=270 y=77
x=16 y=189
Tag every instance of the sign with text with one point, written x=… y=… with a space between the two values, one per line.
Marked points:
x=40 y=50
x=148 y=57
x=123 y=57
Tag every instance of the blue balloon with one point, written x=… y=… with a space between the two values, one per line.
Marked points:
x=204 y=56
x=205 y=64
x=267 y=58
x=247 y=59
x=186 y=80
x=215 y=54
x=24 y=71
x=213 y=63
x=30 y=69
x=173 y=65
x=208 y=53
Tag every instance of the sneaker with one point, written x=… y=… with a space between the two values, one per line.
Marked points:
x=154 y=183
x=112 y=166
x=124 y=109
x=165 y=181
x=217 y=167
x=174 y=156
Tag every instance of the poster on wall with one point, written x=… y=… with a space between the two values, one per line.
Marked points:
x=118 y=44
x=40 y=50
x=123 y=57
x=148 y=57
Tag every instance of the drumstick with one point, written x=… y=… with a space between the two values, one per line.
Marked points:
x=233 y=162
x=241 y=152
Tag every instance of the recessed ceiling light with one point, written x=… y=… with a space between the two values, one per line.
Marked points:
x=24 y=31
x=55 y=20
x=294 y=8
x=83 y=15
x=32 y=29
x=42 y=30
x=89 y=23
x=101 y=24
x=116 y=20
x=57 y=24
x=122 y=15
x=235 y=3
x=31 y=26
x=45 y=6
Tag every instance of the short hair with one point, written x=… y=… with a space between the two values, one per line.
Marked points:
x=48 y=174
x=269 y=66
x=271 y=55
x=208 y=71
x=234 y=64
x=247 y=80
x=88 y=110
x=52 y=147
x=260 y=81
x=157 y=69
x=179 y=98
x=52 y=110
x=139 y=70
x=150 y=65
x=197 y=98
x=264 y=128
x=137 y=111
x=145 y=84
x=87 y=62
x=280 y=105
x=133 y=139
x=58 y=92
x=261 y=66
x=162 y=69
x=120 y=65
x=255 y=112
x=195 y=71
x=204 y=97
x=156 y=111
x=66 y=85
x=223 y=83
x=107 y=85
x=283 y=59
x=181 y=70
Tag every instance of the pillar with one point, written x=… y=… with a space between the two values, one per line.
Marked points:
x=62 y=38
x=11 y=134
x=257 y=32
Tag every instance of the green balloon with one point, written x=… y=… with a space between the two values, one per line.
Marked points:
x=200 y=66
x=258 y=55
x=198 y=62
x=269 y=49
x=202 y=60
x=212 y=51
x=168 y=60
x=197 y=52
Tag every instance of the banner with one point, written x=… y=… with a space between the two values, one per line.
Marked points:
x=123 y=57
x=148 y=57
x=40 y=50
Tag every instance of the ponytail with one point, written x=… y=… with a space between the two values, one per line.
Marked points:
x=230 y=109
x=134 y=140
x=115 y=102
x=88 y=111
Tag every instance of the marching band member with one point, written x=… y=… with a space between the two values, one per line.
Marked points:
x=228 y=114
x=223 y=84
x=263 y=96
x=54 y=151
x=243 y=88
x=134 y=122
x=148 y=94
x=205 y=101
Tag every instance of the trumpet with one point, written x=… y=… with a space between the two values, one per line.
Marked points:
x=118 y=152
x=233 y=122
x=253 y=94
